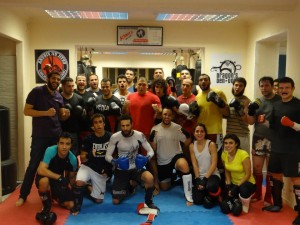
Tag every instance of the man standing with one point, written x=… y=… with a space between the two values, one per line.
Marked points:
x=75 y=104
x=285 y=154
x=165 y=139
x=94 y=168
x=213 y=107
x=89 y=101
x=185 y=74
x=187 y=97
x=108 y=105
x=144 y=106
x=122 y=91
x=259 y=111
x=237 y=121
x=129 y=165
x=94 y=85
x=45 y=105
x=130 y=75
x=55 y=175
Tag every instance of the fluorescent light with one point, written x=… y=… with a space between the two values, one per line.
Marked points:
x=87 y=15
x=196 y=17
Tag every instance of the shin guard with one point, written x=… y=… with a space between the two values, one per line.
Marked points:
x=187 y=187
x=245 y=203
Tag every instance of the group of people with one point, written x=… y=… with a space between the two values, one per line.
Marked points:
x=153 y=133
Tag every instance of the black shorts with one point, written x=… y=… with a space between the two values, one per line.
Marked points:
x=121 y=181
x=286 y=163
x=165 y=171
x=58 y=192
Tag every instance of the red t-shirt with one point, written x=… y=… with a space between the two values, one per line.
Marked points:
x=181 y=119
x=141 y=111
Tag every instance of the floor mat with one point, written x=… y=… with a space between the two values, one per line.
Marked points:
x=171 y=204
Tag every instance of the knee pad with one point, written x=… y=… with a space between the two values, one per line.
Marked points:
x=198 y=196
x=208 y=202
x=120 y=195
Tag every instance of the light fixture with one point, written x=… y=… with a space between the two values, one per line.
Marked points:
x=196 y=17
x=87 y=15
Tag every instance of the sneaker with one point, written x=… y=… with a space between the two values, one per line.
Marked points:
x=272 y=208
x=20 y=202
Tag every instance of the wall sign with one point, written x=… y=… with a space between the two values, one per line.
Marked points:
x=49 y=60
x=140 y=36
x=225 y=68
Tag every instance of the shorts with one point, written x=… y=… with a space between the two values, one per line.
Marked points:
x=58 y=192
x=121 y=181
x=165 y=171
x=286 y=163
x=97 y=180
x=261 y=146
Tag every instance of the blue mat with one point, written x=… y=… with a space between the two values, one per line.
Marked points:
x=173 y=210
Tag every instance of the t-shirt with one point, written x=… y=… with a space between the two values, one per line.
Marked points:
x=72 y=124
x=42 y=100
x=265 y=108
x=235 y=123
x=59 y=165
x=210 y=113
x=285 y=139
x=235 y=167
x=96 y=148
x=128 y=146
x=105 y=107
x=168 y=141
x=182 y=119
x=141 y=111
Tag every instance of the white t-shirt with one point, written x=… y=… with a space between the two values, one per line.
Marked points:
x=168 y=142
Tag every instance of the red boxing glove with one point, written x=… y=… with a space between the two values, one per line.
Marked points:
x=285 y=121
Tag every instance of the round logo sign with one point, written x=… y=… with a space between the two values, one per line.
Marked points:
x=51 y=61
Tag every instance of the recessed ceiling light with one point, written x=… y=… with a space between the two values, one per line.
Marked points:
x=196 y=17
x=87 y=15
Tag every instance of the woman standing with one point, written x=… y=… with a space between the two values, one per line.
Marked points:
x=204 y=159
x=240 y=182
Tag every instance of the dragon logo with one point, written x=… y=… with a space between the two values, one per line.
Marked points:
x=52 y=60
x=227 y=71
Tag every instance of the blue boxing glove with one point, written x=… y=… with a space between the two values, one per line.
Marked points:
x=122 y=163
x=141 y=161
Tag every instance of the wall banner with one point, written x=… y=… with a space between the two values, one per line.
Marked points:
x=225 y=68
x=50 y=60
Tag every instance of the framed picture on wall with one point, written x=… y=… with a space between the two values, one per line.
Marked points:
x=140 y=35
x=47 y=61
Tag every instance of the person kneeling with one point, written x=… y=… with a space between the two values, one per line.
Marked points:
x=55 y=174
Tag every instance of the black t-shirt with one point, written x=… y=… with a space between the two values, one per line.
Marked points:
x=286 y=139
x=96 y=148
x=72 y=124
x=104 y=106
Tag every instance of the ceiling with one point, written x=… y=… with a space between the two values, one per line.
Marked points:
x=147 y=10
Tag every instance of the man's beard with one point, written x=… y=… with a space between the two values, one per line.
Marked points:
x=51 y=87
